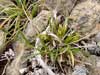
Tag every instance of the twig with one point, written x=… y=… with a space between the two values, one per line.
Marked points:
x=74 y=4
x=5 y=68
x=85 y=46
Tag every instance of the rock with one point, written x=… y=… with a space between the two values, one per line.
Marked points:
x=17 y=63
x=98 y=1
x=79 y=1
x=93 y=48
x=87 y=15
x=38 y=24
x=95 y=65
x=90 y=66
x=80 y=70
x=97 y=37
x=2 y=40
x=14 y=67
x=62 y=6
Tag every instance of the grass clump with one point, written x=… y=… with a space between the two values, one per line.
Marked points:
x=57 y=44
x=15 y=15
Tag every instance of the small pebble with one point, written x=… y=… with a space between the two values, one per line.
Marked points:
x=94 y=50
x=97 y=37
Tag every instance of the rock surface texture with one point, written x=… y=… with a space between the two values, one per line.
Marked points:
x=80 y=70
x=87 y=16
x=62 y=6
x=38 y=24
x=2 y=40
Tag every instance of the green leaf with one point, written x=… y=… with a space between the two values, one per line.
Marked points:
x=62 y=30
x=34 y=10
x=68 y=39
x=53 y=25
x=18 y=2
x=11 y=11
x=76 y=37
x=44 y=37
x=75 y=50
x=72 y=38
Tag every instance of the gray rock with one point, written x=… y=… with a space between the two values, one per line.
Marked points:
x=94 y=48
x=79 y=1
x=80 y=70
x=87 y=15
x=2 y=40
x=94 y=67
x=97 y=37
x=98 y=1
x=62 y=6
x=38 y=24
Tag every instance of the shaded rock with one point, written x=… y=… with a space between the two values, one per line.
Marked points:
x=79 y=1
x=62 y=6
